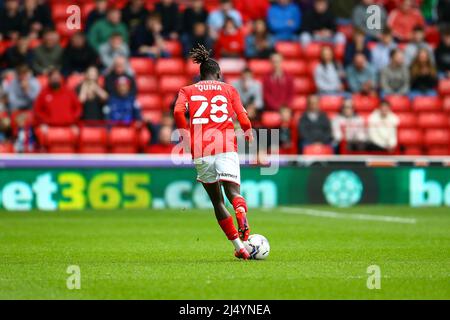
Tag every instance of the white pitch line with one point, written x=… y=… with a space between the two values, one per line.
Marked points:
x=353 y=216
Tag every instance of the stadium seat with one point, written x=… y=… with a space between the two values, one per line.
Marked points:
x=304 y=85
x=427 y=104
x=142 y=66
x=150 y=101
x=271 y=119
x=260 y=67
x=437 y=137
x=398 y=103
x=438 y=151
x=93 y=140
x=446 y=104
x=444 y=87
x=363 y=103
x=6 y=147
x=317 y=149
x=233 y=66
x=174 y=48
x=59 y=11
x=295 y=67
x=74 y=80
x=169 y=66
x=299 y=103
x=412 y=151
x=64 y=31
x=407 y=119
x=192 y=69
x=123 y=140
x=432 y=35
x=144 y=138
x=312 y=51
x=288 y=49
x=410 y=137
x=152 y=116
x=60 y=140
x=147 y=84
x=172 y=84
x=433 y=120
x=331 y=103
x=339 y=52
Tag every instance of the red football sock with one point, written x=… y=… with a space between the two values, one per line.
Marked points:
x=228 y=228
x=239 y=201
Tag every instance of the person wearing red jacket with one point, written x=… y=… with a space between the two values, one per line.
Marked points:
x=57 y=105
x=231 y=41
x=252 y=9
x=278 y=86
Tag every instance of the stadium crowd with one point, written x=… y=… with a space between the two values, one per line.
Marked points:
x=314 y=69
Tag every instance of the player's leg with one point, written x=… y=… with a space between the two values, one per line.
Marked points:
x=233 y=193
x=228 y=170
x=224 y=218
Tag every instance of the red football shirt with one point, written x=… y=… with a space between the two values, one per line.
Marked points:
x=212 y=105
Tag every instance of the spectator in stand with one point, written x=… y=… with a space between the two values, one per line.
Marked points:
x=382 y=51
x=284 y=20
x=148 y=40
x=230 y=43
x=404 y=19
x=155 y=128
x=78 y=55
x=348 y=127
x=443 y=12
x=11 y=20
x=361 y=15
x=122 y=105
x=424 y=77
x=98 y=13
x=36 y=17
x=395 y=77
x=49 y=54
x=194 y=14
x=18 y=54
x=102 y=30
x=278 y=86
x=115 y=47
x=200 y=36
x=164 y=144
x=252 y=10
x=361 y=76
x=92 y=96
x=382 y=128
x=314 y=126
x=56 y=104
x=134 y=14
x=327 y=74
x=170 y=18
x=22 y=90
x=250 y=91
x=442 y=54
x=119 y=69
x=259 y=44
x=343 y=9
x=319 y=24
x=216 y=19
x=358 y=45
x=285 y=130
x=418 y=42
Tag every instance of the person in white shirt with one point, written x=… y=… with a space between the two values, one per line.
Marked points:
x=349 y=127
x=383 y=125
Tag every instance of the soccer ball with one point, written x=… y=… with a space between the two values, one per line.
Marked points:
x=258 y=247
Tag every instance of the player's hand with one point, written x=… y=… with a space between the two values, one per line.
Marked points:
x=249 y=136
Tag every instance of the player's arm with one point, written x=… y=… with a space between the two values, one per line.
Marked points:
x=241 y=115
x=179 y=113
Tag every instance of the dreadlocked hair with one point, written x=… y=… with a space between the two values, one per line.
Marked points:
x=208 y=66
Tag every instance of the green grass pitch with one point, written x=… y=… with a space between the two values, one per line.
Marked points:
x=176 y=254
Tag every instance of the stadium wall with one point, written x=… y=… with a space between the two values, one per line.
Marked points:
x=108 y=183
